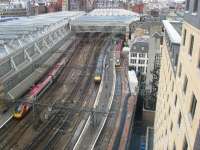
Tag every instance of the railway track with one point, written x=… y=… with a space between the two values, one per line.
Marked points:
x=10 y=139
x=60 y=124
x=23 y=133
x=108 y=129
x=88 y=87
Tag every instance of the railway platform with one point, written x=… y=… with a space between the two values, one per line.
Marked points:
x=5 y=117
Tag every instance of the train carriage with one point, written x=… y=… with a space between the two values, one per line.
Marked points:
x=99 y=69
x=100 y=63
x=38 y=89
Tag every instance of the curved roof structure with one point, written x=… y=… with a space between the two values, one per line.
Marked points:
x=105 y=20
x=18 y=33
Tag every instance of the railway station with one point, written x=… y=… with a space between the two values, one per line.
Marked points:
x=58 y=71
x=99 y=75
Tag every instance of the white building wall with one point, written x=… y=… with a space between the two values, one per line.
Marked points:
x=138 y=60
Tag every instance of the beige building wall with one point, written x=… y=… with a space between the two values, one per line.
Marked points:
x=168 y=134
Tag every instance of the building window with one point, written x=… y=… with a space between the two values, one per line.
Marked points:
x=175 y=101
x=173 y=86
x=199 y=60
x=134 y=68
x=171 y=126
x=180 y=70
x=184 y=36
x=141 y=61
x=185 y=144
x=170 y=76
x=176 y=60
x=142 y=55
x=133 y=54
x=191 y=45
x=133 y=61
x=195 y=7
x=187 y=5
x=185 y=85
x=169 y=110
x=141 y=69
x=193 y=106
x=174 y=146
x=179 y=119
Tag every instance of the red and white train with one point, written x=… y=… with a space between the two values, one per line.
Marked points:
x=37 y=90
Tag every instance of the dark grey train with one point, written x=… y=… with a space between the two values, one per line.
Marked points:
x=100 y=62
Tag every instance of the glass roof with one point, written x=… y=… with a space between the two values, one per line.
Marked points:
x=16 y=33
x=103 y=17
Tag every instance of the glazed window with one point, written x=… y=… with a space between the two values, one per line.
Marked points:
x=187 y=5
x=193 y=106
x=191 y=45
x=195 y=7
x=179 y=119
x=180 y=70
x=184 y=36
x=185 y=144
x=185 y=85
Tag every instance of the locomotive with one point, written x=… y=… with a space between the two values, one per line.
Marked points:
x=37 y=90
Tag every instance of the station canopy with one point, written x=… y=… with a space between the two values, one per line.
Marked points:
x=105 y=20
x=21 y=32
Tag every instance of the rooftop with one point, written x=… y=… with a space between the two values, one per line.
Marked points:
x=143 y=39
x=103 y=17
x=140 y=44
x=172 y=30
x=17 y=33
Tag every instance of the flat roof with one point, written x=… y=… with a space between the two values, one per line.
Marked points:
x=173 y=34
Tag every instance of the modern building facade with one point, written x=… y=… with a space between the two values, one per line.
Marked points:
x=177 y=113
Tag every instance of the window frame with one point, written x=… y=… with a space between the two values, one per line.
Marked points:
x=174 y=146
x=175 y=100
x=179 y=119
x=185 y=144
x=193 y=106
x=171 y=126
x=195 y=6
x=187 y=6
x=191 y=46
x=180 y=70
x=198 y=63
x=184 y=36
x=185 y=84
